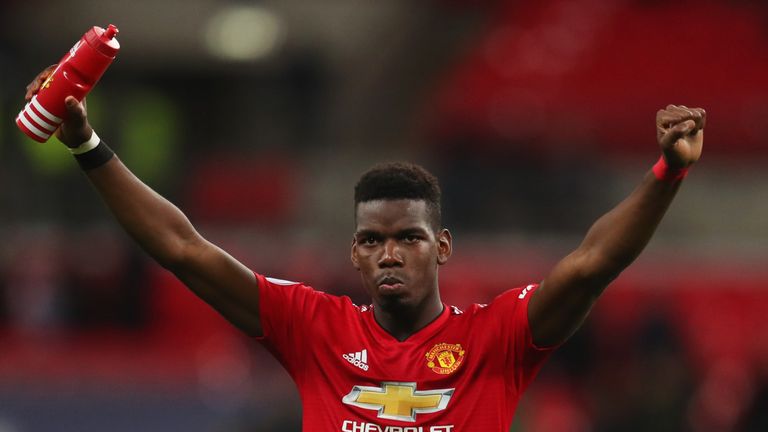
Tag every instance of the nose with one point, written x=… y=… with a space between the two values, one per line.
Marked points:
x=390 y=256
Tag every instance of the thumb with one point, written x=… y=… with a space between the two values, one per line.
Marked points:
x=75 y=130
x=675 y=133
x=75 y=111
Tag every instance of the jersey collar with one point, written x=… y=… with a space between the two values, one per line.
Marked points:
x=419 y=336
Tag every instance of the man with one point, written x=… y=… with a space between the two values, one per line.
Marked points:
x=407 y=362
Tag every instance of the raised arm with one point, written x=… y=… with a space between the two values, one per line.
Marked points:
x=567 y=294
x=163 y=231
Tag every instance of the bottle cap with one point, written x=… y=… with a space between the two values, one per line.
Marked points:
x=111 y=32
x=104 y=41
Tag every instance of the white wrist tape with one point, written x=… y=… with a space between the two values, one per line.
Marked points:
x=87 y=146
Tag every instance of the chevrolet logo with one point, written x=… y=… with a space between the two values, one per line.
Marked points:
x=398 y=400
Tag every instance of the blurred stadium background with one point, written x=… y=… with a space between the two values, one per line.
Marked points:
x=256 y=117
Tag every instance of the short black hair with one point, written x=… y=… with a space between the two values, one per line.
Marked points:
x=401 y=180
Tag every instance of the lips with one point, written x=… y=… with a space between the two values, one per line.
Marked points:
x=390 y=283
x=389 y=280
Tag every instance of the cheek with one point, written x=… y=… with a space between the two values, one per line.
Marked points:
x=365 y=257
x=360 y=254
x=425 y=259
x=366 y=265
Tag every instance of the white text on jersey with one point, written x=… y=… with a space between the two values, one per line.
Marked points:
x=525 y=292
x=359 y=359
x=353 y=426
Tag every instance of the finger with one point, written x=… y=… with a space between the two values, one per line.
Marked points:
x=671 y=118
x=678 y=131
x=694 y=115
x=675 y=108
x=75 y=111
x=661 y=115
x=703 y=117
x=683 y=111
x=676 y=114
x=32 y=88
x=38 y=81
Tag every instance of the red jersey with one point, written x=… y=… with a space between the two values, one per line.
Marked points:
x=465 y=371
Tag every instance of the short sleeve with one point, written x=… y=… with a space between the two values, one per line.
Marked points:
x=286 y=310
x=523 y=358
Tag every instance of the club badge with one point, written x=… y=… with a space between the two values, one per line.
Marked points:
x=445 y=358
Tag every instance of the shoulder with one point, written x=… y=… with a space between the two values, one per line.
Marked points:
x=508 y=308
x=511 y=298
x=299 y=294
x=518 y=295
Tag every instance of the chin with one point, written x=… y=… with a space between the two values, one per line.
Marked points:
x=393 y=301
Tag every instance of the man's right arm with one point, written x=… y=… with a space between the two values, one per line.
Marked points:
x=164 y=232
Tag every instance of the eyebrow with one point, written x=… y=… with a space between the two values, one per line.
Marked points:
x=366 y=232
x=402 y=232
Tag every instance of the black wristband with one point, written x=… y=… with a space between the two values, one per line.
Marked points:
x=95 y=158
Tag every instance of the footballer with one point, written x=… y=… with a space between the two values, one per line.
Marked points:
x=407 y=362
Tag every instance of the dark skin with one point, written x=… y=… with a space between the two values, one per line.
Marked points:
x=568 y=293
x=163 y=231
x=397 y=251
x=395 y=247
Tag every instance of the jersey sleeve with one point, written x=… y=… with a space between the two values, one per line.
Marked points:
x=523 y=357
x=286 y=311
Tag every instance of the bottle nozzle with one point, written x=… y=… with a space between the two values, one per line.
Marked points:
x=111 y=32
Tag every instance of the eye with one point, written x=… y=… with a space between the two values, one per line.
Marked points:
x=368 y=240
x=412 y=238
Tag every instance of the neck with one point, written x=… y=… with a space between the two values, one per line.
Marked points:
x=402 y=321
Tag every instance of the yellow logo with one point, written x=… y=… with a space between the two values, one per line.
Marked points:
x=445 y=358
x=398 y=400
x=47 y=82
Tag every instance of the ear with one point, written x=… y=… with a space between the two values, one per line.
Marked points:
x=444 y=246
x=353 y=255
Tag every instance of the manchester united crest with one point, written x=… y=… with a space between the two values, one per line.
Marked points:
x=445 y=358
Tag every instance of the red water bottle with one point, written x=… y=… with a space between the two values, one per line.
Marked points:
x=76 y=74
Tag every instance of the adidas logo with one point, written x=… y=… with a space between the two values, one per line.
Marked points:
x=359 y=359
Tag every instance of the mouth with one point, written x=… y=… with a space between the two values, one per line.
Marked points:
x=390 y=284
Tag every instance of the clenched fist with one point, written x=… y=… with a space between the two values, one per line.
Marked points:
x=680 y=132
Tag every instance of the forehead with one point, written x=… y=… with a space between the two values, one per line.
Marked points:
x=392 y=214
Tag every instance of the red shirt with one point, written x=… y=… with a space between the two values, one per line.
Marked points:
x=465 y=371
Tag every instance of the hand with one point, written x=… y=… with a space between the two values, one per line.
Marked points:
x=680 y=133
x=75 y=129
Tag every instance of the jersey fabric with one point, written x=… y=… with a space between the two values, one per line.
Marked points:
x=465 y=371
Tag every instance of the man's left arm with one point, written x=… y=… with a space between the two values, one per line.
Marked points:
x=565 y=297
